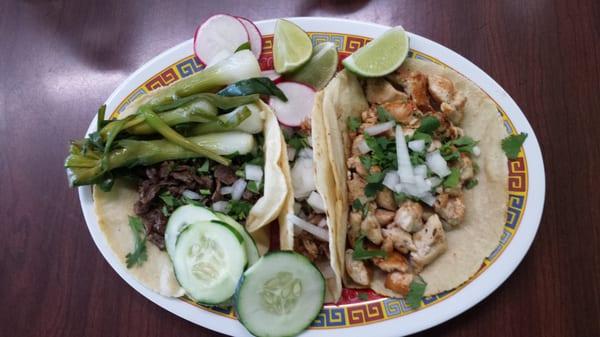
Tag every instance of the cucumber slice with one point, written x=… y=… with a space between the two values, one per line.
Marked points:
x=280 y=295
x=249 y=244
x=182 y=217
x=187 y=214
x=208 y=261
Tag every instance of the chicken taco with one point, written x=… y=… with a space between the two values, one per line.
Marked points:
x=185 y=154
x=420 y=174
x=308 y=219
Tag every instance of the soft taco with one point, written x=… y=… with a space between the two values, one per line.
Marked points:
x=307 y=221
x=184 y=145
x=430 y=207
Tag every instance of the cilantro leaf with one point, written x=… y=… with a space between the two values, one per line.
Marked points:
x=512 y=145
x=376 y=177
x=363 y=296
x=383 y=115
x=422 y=136
x=359 y=206
x=415 y=293
x=238 y=209
x=471 y=183
x=372 y=188
x=168 y=199
x=298 y=141
x=139 y=254
x=204 y=168
x=366 y=161
x=429 y=124
x=243 y=46
x=353 y=123
x=255 y=186
x=360 y=253
x=465 y=144
x=453 y=179
x=383 y=152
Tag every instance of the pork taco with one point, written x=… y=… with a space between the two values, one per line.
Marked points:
x=420 y=174
x=182 y=147
x=308 y=218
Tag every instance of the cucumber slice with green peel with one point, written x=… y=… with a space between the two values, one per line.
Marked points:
x=182 y=217
x=280 y=295
x=209 y=260
x=249 y=245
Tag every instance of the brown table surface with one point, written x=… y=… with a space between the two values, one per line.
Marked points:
x=59 y=60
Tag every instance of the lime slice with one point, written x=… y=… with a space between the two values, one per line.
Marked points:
x=291 y=47
x=380 y=56
x=320 y=68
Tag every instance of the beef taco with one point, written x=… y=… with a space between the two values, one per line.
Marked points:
x=308 y=219
x=185 y=145
x=420 y=175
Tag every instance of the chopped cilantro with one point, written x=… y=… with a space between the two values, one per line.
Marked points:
x=465 y=144
x=400 y=197
x=372 y=188
x=453 y=179
x=429 y=124
x=417 y=158
x=187 y=201
x=375 y=177
x=415 y=293
x=165 y=211
x=243 y=46
x=512 y=145
x=238 y=209
x=353 y=123
x=383 y=115
x=475 y=167
x=363 y=296
x=383 y=152
x=204 y=191
x=204 y=168
x=422 y=136
x=360 y=253
x=471 y=183
x=254 y=186
x=139 y=254
x=168 y=199
x=366 y=161
x=298 y=141
x=359 y=206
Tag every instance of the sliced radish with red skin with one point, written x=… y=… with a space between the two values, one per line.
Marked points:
x=272 y=75
x=299 y=105
x=254 y=36
x=219 y=37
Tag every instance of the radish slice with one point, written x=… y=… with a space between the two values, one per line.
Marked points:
x=221 y=35
x=299 y=105
x=254 y=36
x=272 y=75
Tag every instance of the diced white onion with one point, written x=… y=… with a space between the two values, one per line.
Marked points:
x=309 y=141
x=220 y=206
x=306 y=153
x=238 y=189
x=476 y=151
x=379 y=128
x=391 y=179
x=433 y=181
x=418 y=188
x=316 y=202
x=405 y=169
x=322 y=223
x=363 y=147
x=226 y=190
x=417 y=145
x=437 y=163
x=317 y=231
x=191 y=195
x=253 y=172
x=428 y=198
x=303 y=178
x=291 y=153
x=420 y=170
x=397 y=188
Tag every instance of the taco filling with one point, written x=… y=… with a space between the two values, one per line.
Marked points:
x=409 y=166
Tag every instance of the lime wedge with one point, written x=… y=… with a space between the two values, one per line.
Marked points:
x=320 y=68
x=291 y=47
x=381 y=56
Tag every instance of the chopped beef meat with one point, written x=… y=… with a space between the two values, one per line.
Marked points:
x=225 y=174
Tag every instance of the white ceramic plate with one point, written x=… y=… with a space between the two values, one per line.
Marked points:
x=376 y=317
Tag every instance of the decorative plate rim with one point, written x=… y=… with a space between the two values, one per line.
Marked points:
x=464 y=297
